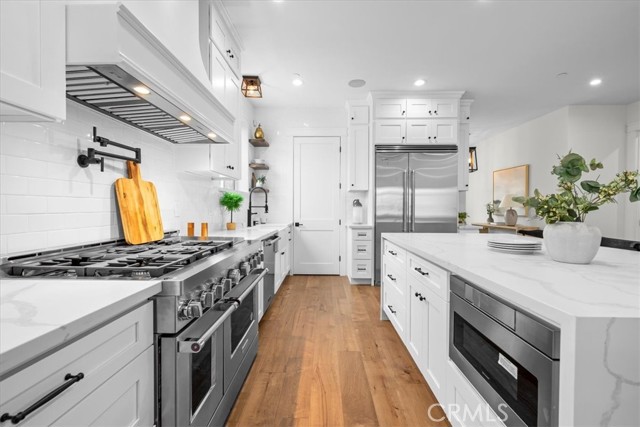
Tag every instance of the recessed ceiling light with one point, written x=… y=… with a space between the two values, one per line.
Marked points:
x=143 y=90
x=297 y=80
x=419 y=82
x=357 y=83
x=185 y=118
x=211 y=135
x=595 y=82
x=562 y=75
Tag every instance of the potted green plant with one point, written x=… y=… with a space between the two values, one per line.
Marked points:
x=566 y=236
x=462 y=218
x=491 y=208
x=231 y=202
x=261 y=180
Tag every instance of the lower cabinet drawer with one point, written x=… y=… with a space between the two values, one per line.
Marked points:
x=361 y=269
x=395 y=308
x=98 y=356
x=362 y=234
x=362 y=250
x=430 y=275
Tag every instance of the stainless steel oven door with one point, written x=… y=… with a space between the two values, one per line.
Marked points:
x=240 y=331
x=191 y=381
x=517 y=380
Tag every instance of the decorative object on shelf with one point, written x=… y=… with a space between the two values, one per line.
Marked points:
x=204 y=230
x=231 y=202
x=258 y=134
x=259 y=142
x=190 y=229
x=490 y=210
x=566 y=237
x=261 y=180
x=462 y=218
x=513 y=181
x=357 y=212
x=254 y=180
x=251 y=87
x=84 y=160
x=473 y=159
x=510 y=215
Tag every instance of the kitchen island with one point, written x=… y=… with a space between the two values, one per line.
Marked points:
x=596 y=307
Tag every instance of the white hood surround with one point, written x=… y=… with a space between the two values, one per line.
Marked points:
x=121 y=49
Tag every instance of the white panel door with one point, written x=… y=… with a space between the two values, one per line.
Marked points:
x=316 y=208
x=418 y=131
x=390 y=132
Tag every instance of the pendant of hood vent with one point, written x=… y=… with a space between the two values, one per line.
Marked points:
x=110 y=90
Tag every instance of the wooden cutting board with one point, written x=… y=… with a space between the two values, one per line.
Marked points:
x=139 y=208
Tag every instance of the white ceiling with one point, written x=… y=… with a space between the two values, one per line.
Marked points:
x=505 y=54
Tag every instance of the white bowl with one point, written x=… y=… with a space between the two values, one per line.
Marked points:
x=259 y=161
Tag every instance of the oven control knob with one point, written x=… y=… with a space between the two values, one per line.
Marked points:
x=207 y=298
x=234 y=275
x=245 y=268
x=253 y=263
x=194 y=309
x=226 y=285
x=218 y=292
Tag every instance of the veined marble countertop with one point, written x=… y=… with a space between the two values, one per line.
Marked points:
x=608 y=287
x=37 y=316
x=251 y=234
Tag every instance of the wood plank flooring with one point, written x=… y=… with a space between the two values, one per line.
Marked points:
x=325 y=359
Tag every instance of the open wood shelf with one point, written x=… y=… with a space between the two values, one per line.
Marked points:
x=259 y=166
x=259 y=142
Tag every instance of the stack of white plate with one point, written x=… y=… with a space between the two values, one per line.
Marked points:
x=515 y=244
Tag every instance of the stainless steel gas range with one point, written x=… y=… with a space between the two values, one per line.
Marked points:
x=206 y=316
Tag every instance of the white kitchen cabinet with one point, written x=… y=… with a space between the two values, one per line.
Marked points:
x=32 y=61
x=426 y=335
x=432 y=108
x=117 y=387
x=358 y=114
x=390 y=132
x=445 y=131
x=217 y=73
x=463 y=159
x=391 y=108
x=358 y=158
x=360 y=254
x=465 y=110
x=223 y=39
x=419 y=131
x=216 y=160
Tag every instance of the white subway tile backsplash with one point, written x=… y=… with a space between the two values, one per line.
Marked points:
x=47 y=200
x=25 y=204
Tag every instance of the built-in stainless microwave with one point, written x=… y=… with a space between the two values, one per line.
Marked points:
x=510 y=357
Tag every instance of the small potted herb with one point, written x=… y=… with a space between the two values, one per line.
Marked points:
x=566 y=236
x=491 y=208
x=462 y=218
x=261 y=180
x=231 y=202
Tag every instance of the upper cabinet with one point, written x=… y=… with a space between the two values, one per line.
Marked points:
x=432 y=118
x=32 y=61
x=222 y=37
x=358 y=114
x=358 y=146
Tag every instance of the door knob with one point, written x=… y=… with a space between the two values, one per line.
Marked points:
x=297 y=224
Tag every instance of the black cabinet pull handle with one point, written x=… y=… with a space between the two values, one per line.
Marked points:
x=15 y=419
x=393 y=253
x=419 y=270
x=391 y=277
x=297 y=224
x=391 y=309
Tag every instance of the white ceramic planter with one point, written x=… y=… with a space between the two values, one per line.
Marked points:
x=572 y=242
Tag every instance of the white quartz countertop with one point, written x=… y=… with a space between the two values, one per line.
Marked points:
x=37 y=316
x=251 y=234
x=608 y=287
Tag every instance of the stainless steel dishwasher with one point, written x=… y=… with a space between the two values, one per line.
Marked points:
x=271 y=249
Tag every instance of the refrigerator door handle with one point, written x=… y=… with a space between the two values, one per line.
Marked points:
x=404 y=201
x=413 y=200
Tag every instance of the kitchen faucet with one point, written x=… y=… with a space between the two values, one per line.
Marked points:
x=250 y=210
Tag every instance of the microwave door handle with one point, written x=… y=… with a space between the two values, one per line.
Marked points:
x=196 y=346
x=253 y=284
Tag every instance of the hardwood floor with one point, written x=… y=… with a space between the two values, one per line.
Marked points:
x=326 y=359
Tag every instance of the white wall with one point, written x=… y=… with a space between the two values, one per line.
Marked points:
x=278 y=124
x=47 y=200
x=592 y=131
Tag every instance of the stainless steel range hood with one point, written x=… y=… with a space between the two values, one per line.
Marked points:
x=117 y=67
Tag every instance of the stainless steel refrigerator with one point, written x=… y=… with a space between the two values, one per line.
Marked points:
x=416 y=191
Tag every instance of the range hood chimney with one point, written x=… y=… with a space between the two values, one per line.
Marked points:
x=117 y=67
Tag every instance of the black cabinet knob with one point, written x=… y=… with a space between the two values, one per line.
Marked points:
x=417 y=294
x=422 y=298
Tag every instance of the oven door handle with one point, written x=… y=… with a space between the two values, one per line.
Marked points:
x=253 y=284
x=197 y=345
